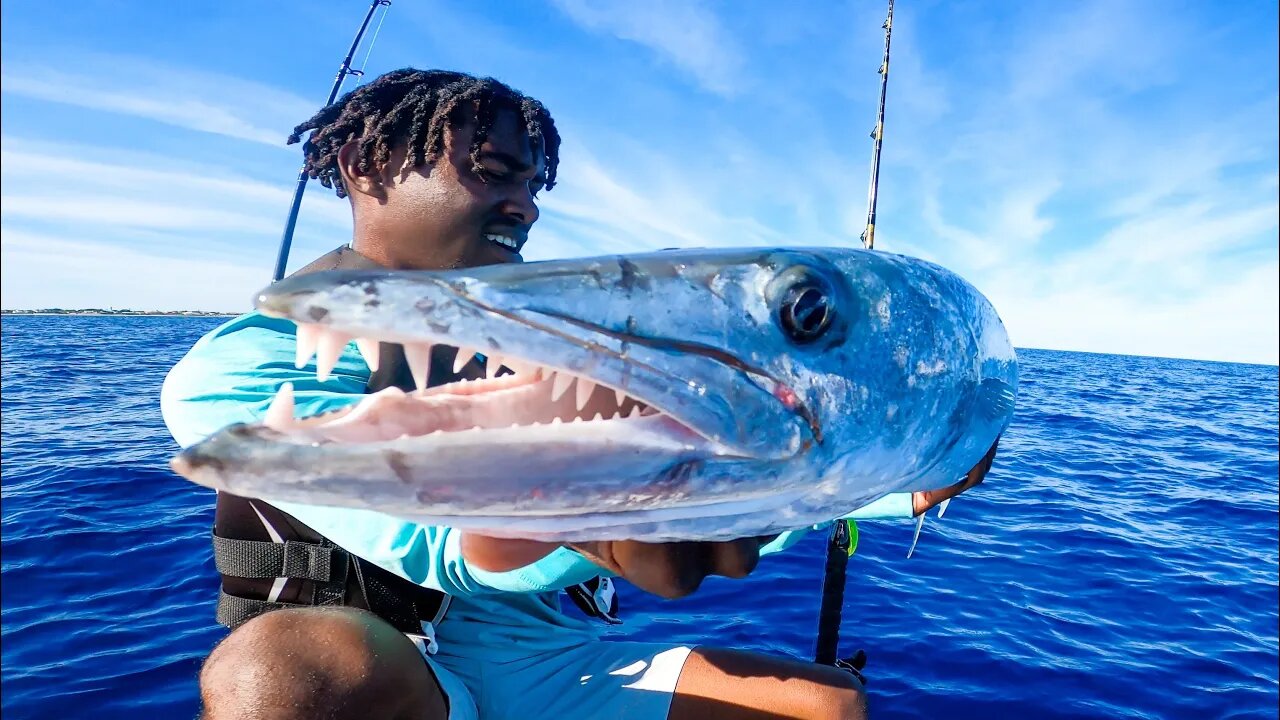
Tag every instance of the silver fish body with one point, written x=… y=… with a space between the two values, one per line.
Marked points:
x=728 y=393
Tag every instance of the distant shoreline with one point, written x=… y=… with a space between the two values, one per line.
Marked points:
x=120 y=313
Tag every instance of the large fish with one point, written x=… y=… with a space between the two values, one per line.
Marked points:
x=678 y=395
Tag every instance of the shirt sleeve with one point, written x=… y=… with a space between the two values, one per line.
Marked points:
x=894 y=506
x=231 y=375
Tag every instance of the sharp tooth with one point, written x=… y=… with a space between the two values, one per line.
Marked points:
x=328 y=348
x=616 y=414
x=585 y=388
x=621 y=396
x=635 y=411
x=369 y=350
x=560 y=384
x=307 y=335
x=492 y=364
x=280 y=413
x=556 y=420
x=418 y=355
x=462 y=358
x=599 y=416
x=518 y=367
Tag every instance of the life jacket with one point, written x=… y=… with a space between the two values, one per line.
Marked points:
x=269 y=560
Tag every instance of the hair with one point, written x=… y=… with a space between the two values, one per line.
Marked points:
x=415 y=107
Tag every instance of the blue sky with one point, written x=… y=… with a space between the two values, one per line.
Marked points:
x=1106 y=172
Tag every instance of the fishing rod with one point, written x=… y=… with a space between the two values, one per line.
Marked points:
x=844 y=534
x=869 y=234
x=282 y=259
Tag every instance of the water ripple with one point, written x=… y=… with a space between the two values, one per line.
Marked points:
x=1121 y=561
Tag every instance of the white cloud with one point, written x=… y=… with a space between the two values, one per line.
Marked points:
x=117 y=209
x=680 y=31
x=50 y=271
x=181 y=97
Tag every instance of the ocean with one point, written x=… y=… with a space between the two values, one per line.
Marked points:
x=1120 y=560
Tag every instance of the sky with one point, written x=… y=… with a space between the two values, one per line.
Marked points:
x=1104 y=171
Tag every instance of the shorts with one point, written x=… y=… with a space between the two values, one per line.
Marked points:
x=615 y=679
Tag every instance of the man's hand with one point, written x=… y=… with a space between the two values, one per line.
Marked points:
x=923 y=500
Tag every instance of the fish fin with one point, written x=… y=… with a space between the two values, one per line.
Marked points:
x=916 y=538
x=942 y=507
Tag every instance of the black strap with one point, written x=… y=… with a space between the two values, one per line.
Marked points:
x=289 y=559
x=232 y=610
x=596 y=598
x=323 y=563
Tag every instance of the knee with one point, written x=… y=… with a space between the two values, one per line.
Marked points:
x=309 y=663
x=841 y=697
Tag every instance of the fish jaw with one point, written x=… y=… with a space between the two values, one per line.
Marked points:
x=738 y=408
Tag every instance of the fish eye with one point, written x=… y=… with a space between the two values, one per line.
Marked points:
x=806 y=311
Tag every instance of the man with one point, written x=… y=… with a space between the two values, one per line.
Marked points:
x=442 y=170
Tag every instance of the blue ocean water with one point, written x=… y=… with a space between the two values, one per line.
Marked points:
x=1120 y=561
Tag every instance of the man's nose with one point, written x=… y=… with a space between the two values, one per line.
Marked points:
x=519 y=205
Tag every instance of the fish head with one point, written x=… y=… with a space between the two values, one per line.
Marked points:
x=673 y=385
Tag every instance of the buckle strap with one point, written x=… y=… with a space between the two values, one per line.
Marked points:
x=233 y=611
x=289 y=559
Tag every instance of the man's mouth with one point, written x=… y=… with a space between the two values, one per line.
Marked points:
x=505 y=241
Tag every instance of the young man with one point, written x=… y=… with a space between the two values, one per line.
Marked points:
x=442 y=170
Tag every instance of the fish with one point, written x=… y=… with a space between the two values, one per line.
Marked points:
x=691 y=394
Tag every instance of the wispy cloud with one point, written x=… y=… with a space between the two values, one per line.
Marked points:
x=93 y=275
x=180 y=97
x=139 y=205
x=682 y=32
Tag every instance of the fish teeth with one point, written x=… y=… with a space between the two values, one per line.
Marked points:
x=621 y=396
x=635 y=411
x=279 y=414
x=369 y=350
x=307 y=336
x=560 y=384
x=328 y=348
x=418 y=355
x=519 y=368
x=585 y=388
x=462 y=358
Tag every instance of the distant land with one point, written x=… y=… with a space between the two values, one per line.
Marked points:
x=112 y=311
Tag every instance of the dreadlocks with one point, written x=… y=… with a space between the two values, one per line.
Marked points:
x=415 y=107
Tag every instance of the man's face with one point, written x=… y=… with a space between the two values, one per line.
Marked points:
x=445 y=214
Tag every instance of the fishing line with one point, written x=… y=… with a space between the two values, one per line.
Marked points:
x=344 y=70
x=372 y=41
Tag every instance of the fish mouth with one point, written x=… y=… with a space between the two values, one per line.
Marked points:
x=544 y=374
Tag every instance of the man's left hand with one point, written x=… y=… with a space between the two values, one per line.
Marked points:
x=923 y=500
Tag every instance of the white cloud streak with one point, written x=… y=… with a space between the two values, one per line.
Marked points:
x=185 y=98
x=682 y=32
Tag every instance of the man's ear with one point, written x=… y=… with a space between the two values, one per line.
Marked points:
x=354 y=179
